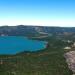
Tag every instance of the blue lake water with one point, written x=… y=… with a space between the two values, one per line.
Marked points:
x=14 y=44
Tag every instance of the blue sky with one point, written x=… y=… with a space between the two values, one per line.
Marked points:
x=37 y=12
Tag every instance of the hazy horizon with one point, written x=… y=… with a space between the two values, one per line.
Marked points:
x=37 y=12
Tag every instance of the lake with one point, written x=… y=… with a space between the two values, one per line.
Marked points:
x=15 y=44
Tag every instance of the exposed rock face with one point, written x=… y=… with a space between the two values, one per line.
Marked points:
x=70 y=59
x=67 y=48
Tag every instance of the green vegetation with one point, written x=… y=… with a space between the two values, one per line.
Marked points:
x=49 y=61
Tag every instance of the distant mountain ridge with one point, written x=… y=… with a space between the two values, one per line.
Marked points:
x=22 y=30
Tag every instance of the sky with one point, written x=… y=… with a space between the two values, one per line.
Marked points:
x=38 y=12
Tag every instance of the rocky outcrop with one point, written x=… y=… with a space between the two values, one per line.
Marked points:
x=70 y=59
